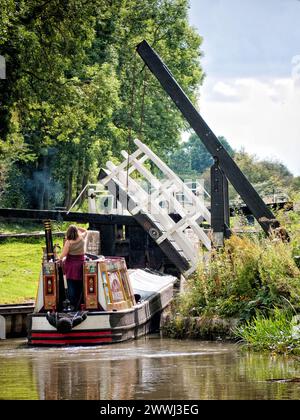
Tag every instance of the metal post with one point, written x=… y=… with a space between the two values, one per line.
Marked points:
x=227 y=231
x=2 y=328
x=219 y=205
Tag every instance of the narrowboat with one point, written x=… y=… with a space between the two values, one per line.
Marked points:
x=118 y=304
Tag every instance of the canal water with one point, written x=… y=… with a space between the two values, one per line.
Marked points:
x=149 y=368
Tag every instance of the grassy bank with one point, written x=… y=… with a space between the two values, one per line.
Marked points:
x=20 y=260
x=20 y=264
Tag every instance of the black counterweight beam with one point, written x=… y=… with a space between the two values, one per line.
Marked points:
x=241 y=184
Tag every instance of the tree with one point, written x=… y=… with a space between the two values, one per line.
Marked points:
x=296 y=184
x=67 y=100
x=192 y=157
x=45 y=77
x=267 y=176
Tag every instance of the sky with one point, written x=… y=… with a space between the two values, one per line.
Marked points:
x=251 y=92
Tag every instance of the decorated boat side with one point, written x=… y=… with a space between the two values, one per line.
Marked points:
x=117 y=304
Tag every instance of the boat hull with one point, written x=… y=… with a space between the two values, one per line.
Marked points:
x=103 y=327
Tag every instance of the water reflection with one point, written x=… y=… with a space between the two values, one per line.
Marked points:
x=150 y=368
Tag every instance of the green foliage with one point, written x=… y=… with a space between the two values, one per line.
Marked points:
x=248 y=289
x=275 y=333
x=245 y=276
x=278 y=272
x=14 y=193
x=291 y=221
x=20 y=226
x=266 y=176
x=66 y=102
x=296 y=184
x=191 y=158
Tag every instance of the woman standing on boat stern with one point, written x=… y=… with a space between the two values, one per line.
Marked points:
x=73 y=250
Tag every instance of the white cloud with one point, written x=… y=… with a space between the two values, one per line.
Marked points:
x=296 y=69
x=225 y=89
x=261 y=115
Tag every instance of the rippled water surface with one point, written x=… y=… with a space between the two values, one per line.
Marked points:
x=149 y=368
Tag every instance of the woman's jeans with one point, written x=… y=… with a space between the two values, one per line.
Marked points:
x=75 y=291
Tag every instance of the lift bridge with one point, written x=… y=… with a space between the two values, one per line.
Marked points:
x=152 y=202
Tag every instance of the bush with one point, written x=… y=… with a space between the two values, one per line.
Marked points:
x=245 y=276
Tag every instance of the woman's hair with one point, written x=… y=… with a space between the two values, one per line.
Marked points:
x=72 y=233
